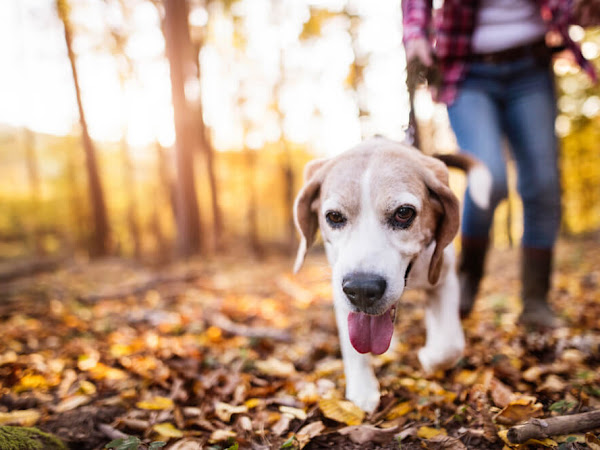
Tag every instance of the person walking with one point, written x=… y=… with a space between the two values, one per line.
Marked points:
x=497 y=81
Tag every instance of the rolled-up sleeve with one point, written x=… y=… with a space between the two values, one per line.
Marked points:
x=416 y=17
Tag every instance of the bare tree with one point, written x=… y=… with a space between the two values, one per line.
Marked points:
x=179 y=53
x=100 y=241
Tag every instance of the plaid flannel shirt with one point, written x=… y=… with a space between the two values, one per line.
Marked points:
x=452 y=27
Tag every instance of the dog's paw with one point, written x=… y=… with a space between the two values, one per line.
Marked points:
x=432 y=359
x=364 y=394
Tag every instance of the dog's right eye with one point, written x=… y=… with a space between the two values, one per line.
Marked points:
x=335 y=219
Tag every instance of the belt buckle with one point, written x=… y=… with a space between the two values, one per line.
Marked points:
x=489 y=58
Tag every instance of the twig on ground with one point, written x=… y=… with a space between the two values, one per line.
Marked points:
x=224 y=323
x=111 y=432
x=543 y=428
x=138 y=288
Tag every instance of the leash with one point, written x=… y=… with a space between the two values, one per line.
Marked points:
x=418 y=74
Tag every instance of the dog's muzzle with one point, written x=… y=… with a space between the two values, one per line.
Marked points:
x=364 y=289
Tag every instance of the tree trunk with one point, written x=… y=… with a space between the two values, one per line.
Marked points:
x=100 y=241
x=179 y=53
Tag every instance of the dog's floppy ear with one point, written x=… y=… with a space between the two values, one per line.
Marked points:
x=436 y=178
x=305 y=217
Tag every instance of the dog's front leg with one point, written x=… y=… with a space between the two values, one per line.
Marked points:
x=445 y=339
x=362 y=388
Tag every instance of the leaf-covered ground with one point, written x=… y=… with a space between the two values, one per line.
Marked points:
x=240 y=352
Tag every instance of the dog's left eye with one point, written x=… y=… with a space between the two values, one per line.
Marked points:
x=403 y=216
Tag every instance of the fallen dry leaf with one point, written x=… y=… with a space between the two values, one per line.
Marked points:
x=519 y=410
x=156 y=403
x=296 y=413
x=441 y=442
x=308 y=432
x=368 y=433
x=221 y=435
x=275 y=367
x=501 y=393
x=592 y=441
x=553 y=383
x=425 y=432
x=399 y=410
x=342 y=411
x=224 y=411
x=167 y=430
x=72 y=402
x=282 y=425
x=24 y=418
x=187 y=444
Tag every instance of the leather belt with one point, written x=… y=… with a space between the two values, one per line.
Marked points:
x=537 y=49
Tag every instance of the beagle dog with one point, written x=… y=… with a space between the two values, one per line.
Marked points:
x=387 y=218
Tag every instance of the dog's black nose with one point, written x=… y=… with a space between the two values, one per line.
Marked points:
x=363 y=289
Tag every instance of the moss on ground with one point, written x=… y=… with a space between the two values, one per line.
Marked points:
x=28 y=438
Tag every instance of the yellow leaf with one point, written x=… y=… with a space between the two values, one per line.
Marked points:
x=87 y=387
x=543 y=442
x=224 y=411
x=118 y=350
x=252 y=403
x=167 y=430
x=24 y=417
x=32 y=382
x=467 y=377
x=399 y=410
x=503 y=434
x=156 y=403
x=342 y=411
x=429 y=432
x=275 y=367
x=103 y=372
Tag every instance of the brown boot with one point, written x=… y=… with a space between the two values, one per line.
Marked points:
x=536 y=268
x=470 y=271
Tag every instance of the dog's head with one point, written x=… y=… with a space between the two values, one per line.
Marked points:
x=378 y=206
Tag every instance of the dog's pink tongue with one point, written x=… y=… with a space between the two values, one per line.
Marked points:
x=370 y=333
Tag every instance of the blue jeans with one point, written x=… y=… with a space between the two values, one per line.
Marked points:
x=515 y=100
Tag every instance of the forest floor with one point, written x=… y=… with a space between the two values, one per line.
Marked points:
x=235 y=353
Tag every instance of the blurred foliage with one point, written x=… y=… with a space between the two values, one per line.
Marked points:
x=63 y=212
x=578 y=124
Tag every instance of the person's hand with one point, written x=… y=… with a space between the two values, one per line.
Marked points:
x=587 y=13
x=419 y=48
